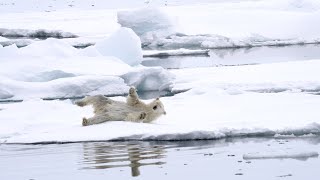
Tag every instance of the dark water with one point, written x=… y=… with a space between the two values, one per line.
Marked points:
x=215 y=159
x=239 y=56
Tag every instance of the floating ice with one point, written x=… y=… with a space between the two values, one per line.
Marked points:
x=178 y=52
x=177 y=40
x=149 y=79
x=123 y=44
x=196 y=114
x=281 y=155
x=40 y=33
x=17 y=42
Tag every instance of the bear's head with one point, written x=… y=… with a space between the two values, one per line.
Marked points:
x=157 y=107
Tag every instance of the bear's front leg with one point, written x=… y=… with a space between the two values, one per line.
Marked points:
x=132 y=98
x=136 y=117
x=133 y=94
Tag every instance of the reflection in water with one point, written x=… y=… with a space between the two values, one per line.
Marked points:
x=161 y=159
x=117 y=154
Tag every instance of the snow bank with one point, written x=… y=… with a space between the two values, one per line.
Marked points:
x=149 y=79
x=49 y=47
x=123 y=44
x=54 y=69
x=40 y=33
x=26 y=63
x=8 y=51
x=70 y=87
x=4 y=94
x=281 y=155
x=49 y=76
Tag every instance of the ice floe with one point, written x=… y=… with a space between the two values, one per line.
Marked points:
x=265 y=78
x=54 y=69
x=178 y=52
x=212 y=25
x=197 y=114
x=17 y=42
x=281 y=155
x=227 y=25
x=40 y=33
x=255 y=100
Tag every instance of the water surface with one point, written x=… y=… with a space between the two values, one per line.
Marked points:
x=214 y=159
x=239 y=56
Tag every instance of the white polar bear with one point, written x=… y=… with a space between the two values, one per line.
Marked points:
x=135 y=110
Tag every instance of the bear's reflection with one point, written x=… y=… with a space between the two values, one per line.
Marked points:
x=104 y=155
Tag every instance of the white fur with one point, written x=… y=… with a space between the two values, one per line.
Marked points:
x=134 y=110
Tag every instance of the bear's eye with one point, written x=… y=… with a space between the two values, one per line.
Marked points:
x=155 y=107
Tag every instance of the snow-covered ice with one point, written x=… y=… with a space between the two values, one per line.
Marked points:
x=273 y=77
x=222 y=102
x=211 y=25
x=61 y=71
x=265 y=99
x=245 y=24
x=209 y=110
x=3 y=39
x=197 y=114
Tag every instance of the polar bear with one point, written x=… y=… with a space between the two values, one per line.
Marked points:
x=134 y=110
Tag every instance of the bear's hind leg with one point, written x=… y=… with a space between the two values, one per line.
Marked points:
x=94 y=120
x=81 y=103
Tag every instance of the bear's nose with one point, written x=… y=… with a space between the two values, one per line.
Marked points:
x=164 y=113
